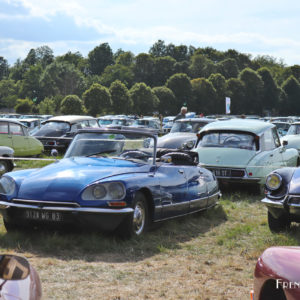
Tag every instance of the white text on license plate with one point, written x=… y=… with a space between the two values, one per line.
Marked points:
x=222 y=172
x=43 y=215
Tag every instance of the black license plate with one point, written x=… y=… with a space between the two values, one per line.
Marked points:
x=222 y=172
x=49 y=216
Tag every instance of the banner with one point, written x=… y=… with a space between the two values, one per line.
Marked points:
x=227 y=105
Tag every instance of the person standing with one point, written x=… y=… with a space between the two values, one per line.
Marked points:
x=182 y=113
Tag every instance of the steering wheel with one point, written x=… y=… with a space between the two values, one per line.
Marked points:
x=232 y=138
x=134 y=154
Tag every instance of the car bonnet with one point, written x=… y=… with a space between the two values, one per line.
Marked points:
x=64 y=180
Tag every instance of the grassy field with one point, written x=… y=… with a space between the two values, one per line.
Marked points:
x=209 y=255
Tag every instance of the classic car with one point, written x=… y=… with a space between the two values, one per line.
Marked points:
x=243 y=151
x=282 y=198
x=33 y=124
x=109 y=180
x=183 y=133
x=292 y=137
x=58 y=132
x=282 y=127
x=18 y=279
x=150 y=123
x=277 y=274
x=6 y=164
x=15 y=135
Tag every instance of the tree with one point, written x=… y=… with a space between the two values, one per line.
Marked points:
x=271 y=92
x=201 y=66
x=144 y=68
x=144 y=100
x=203 y=96
x=291 y=87
x=9 y=91
x=23 y=106
x=158 y=49
x=180 y=85
x=166 y=100
x=253 y=91
x=31 y=58
x=235 y=90
x=163 y=69
x=3 y=68
x=125 y=59
x=47 y=107
x=99 y=58
x=219 y=83
x=62 y=79
x=97 y=99
x=44 y=55
x=117 y=72
x=228 y=68
x=121 y=102
x=72 y=105
x=71 y=58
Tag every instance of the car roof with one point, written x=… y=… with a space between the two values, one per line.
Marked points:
x=12 y=121
x=208 y=120
x=247 y=125
x=70 y=118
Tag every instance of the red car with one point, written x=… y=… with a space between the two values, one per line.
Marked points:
x=277 y=274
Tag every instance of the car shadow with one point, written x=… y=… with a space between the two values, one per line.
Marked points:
x=108 y=247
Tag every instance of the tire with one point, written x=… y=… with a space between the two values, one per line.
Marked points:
x=137 y=223
x=10 y=227
x=282 y=223
x=4 y=166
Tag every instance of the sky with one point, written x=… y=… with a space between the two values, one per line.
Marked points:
x=256 y=27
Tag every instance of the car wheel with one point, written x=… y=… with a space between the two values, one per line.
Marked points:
x=137 y=223
x=4 y=166
x=278 y=224
x=9 y=226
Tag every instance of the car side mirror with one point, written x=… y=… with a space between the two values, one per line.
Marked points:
x=13 y=267
x=285 y=143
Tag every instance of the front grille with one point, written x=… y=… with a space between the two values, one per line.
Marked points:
x=46 y=203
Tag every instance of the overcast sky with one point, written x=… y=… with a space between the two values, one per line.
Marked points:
x=257 y=27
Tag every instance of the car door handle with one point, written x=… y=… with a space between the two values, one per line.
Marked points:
x=180 y=171
x=271 y=155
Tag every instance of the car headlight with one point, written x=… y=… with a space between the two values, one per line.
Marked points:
x=104 y=191
x=7 y=185
x=273 y=181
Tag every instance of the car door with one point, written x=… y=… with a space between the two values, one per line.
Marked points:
x=5 y=137
x=19 y=140
x=173 y=188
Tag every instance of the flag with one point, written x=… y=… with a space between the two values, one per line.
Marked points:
x=227 y=105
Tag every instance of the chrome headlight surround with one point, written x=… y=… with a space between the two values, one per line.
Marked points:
x=104 y=191
x=273 y=181
x=7 y=186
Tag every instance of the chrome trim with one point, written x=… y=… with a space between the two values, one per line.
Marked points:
x=196 y=200
x=126 y=210
x=276 y=204
x=46 y=202
x=280 y=183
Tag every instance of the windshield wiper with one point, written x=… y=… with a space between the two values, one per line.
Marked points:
x=104 y=152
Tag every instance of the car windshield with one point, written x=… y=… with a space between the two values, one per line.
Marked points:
x=228 y=140
x=141 y=122
x=105 y=122
x=130 y=146
x=294 y=129
x=120 y=122
x=187 y=126
x=54 y=128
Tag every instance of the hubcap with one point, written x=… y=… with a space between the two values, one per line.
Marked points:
x=139 y=218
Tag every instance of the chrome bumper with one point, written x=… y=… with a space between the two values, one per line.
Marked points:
x=127 y=210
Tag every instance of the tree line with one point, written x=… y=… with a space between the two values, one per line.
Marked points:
x=161 y=80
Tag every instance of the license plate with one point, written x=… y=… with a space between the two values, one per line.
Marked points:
x=222 y=172
x=43 y=215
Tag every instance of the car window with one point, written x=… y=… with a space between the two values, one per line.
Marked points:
x=229 y=140
x=93 y=124
x=15 y=129
x=3 y=128
x=267 y=140
x=294 y=129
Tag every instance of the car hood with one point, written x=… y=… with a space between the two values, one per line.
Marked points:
x=225 y=157
x=65 y=179
x=175 y=140
x=293 y=140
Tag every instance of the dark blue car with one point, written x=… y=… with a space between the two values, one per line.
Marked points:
x=109 y=179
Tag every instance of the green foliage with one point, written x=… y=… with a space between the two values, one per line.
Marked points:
x=125 y=59
x=201 y=66
x=3 y=68
x=144 y=100
x=23 y=106
x=291 y=88
x=117 y=72
x=72 y=105
x=47 y=107
x=121 y=102
x=219 y=83
x=166 y=100
x=8 y=93
x=99 y=58
x=163 y=69
x=180 y=85
x=236 y=90
x=97 y=99
x=144 y=68
x=228 y=68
